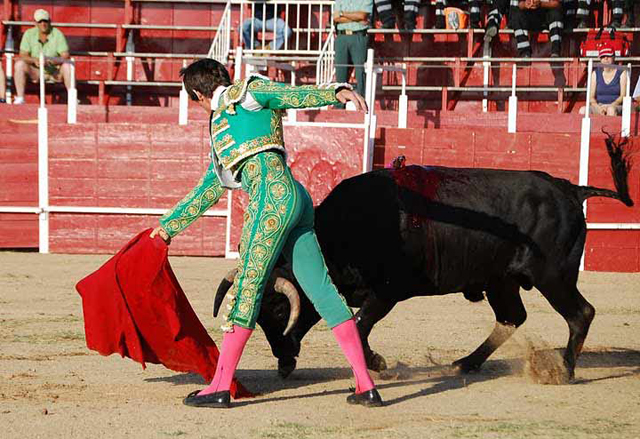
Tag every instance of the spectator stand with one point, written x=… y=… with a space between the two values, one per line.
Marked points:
x=139 y=24
x=130 y=34
x=439 y=51
x=11 y=50
x=310 y=23
x=462 y=72
x=458 y=79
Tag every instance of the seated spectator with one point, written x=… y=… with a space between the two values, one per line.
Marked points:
x=497 y=9
x=264 y=13
x=608 y=85
x=3 y=86
x=43 y=38
x=617 y=12
x=576 y=13
x=535 y=15
x=629 y=6
x=388 y=18
x=474 y=12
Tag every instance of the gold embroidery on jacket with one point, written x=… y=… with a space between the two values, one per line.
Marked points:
x=223 y=144
x=217 y=128
x=296 y=96
x=275 y=140
x=266 y=219
x=192 y=206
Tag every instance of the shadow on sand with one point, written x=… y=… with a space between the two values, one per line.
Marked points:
x=436 y=378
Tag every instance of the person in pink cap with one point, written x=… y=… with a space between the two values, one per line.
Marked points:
x=609 y=83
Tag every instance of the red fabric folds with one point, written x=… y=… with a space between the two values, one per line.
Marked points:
x=133 y=305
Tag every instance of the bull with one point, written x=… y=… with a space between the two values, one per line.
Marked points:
x=393 y=234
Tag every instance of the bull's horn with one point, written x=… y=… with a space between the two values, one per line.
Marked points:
x=224 y=286
x=285 y=287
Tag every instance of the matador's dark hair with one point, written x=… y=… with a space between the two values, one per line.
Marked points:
x=204 y=76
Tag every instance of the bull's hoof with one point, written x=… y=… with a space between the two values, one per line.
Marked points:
x=376 y=362
x=285 y=367
x=465 y=365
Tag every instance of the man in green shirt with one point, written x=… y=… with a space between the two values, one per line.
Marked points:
x=43 y=38
x=352 y=19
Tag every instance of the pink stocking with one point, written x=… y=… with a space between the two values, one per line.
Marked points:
x=349 y=340
x=232 y=346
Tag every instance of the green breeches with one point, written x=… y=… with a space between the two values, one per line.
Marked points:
x=279 y=218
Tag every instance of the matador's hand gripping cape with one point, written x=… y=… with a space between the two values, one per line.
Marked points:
x=134 y=306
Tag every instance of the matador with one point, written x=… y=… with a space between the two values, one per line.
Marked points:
x=248 y=152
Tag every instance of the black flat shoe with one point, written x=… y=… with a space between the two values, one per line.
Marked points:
x=212 y=400
x=370 y=398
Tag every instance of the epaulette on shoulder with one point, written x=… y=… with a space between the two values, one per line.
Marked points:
x=237 y=91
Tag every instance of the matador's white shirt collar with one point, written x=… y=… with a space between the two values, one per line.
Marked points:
x=248 y=102
x=215 y=100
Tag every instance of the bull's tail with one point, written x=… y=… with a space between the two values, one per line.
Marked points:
x=620 y=167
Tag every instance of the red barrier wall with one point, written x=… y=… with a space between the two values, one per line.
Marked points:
x=143 y=166
x=125 y=165
x=154 y=165
x=18 y=183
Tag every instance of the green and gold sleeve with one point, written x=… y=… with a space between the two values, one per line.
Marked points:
x=279 y=96
x=206 y=193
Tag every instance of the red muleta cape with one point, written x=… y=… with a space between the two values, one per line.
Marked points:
x=134 y=305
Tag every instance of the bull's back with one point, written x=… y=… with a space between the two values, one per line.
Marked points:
x=434 y=230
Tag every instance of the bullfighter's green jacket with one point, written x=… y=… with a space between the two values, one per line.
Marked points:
x=246 y=119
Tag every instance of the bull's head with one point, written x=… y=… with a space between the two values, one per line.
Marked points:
x=285 y=315
x=278 y=284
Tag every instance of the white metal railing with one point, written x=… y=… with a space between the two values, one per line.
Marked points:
x=130 y=47
x=43 y=166
x=72 y=94
x=301 y=32
x=626 y=106
x=513 y=103
x=325 y=68
x=221 y=44
x=183 y=103
x=302 y=26
x=44 y=210
x=372 y=71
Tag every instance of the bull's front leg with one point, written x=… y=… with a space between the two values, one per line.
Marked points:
x=370 y=313
x=504 y=298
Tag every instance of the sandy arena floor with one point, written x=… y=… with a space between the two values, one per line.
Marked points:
x=52 y=386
